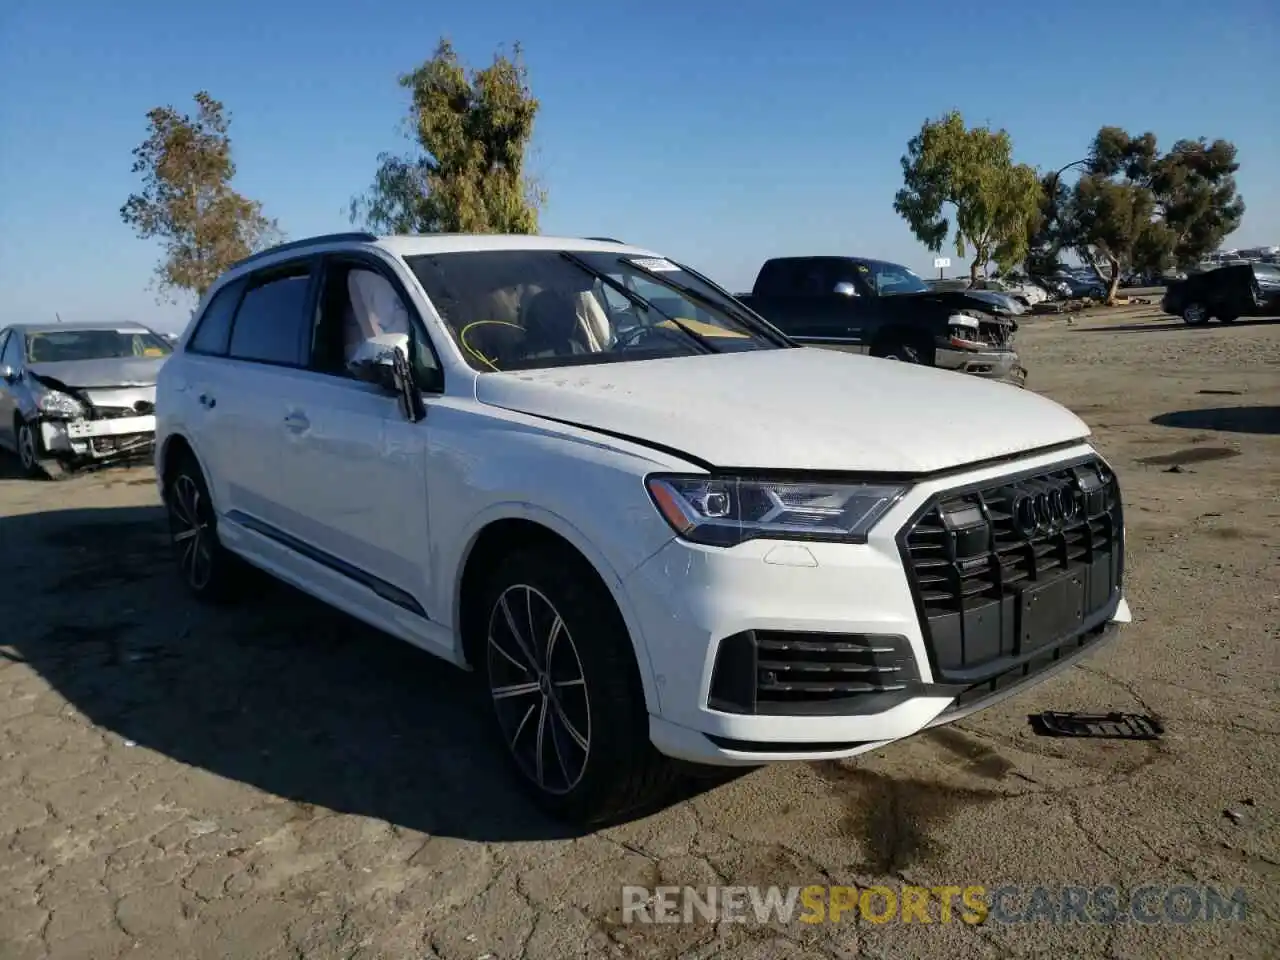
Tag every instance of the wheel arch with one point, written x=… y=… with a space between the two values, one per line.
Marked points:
x=507 y=527
x=892 y=334
x=175 y=448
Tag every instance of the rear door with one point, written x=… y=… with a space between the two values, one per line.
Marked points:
x=239 y=395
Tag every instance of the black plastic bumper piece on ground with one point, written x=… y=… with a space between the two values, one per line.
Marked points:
x=1106 y=726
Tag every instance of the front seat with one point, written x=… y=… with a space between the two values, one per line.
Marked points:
x=375 y=308
x=551 y=321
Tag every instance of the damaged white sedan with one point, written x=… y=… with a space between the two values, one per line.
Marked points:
x=72 y=395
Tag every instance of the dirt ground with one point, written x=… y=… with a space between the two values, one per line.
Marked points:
x=276 y=781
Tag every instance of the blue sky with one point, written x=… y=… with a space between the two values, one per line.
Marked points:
x=720 y=133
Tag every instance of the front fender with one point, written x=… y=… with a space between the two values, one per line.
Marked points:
x=561 y=526
x=491 y=465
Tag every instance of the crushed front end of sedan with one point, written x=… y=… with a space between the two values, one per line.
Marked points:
x=75 y=396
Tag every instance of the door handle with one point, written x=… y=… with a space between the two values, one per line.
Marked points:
x=207 y=401
x=297 y=422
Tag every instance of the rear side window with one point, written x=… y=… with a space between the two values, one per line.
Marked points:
x=214 y=330
x=272 y=325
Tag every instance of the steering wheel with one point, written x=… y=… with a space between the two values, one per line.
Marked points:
x=633 y=338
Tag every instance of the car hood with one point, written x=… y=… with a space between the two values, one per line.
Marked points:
x=794 y=409
x=86 y=374
x=902 y=303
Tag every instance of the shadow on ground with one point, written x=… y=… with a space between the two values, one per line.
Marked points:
x=1165 y=323
x=1256 y=420
x=279 y=692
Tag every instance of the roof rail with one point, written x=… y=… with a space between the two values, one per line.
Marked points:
x=355 y=236
x=603 y=239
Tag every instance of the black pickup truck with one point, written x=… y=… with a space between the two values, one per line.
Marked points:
x=1236 y=290
x=870 y=306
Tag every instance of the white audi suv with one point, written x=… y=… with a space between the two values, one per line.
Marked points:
x=656 y=528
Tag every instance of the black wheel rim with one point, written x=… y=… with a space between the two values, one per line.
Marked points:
x=539 y=689
x=192 y=532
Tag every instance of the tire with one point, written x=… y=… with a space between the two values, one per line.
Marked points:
x=583 y=706
x=1195 y=314
x=208 y=570
x=27 y=447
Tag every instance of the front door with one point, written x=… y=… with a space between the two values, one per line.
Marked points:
x=11 y=356
x=353 y=469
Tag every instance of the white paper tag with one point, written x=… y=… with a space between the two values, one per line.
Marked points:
x=657 y=266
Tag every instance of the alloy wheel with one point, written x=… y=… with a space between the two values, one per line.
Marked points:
x=27 y=447
x=539 y=689
x=1195 y=314
x=191 y=533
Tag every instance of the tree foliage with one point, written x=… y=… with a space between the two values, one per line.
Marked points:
x=472 y=131
x=1136 y=209
x=996 y=202
x=187 y=201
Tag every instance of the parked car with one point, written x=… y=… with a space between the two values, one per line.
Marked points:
x=660 y=531
x=75 y=394
x=1055 y=287
x=1081 y=285
x=1228 y=292
x=885 y=310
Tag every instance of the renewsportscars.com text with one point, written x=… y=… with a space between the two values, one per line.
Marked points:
x=970 y=904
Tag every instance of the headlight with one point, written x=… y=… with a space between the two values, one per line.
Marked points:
x=724 y=511
x=964 y=332
x=58 y=404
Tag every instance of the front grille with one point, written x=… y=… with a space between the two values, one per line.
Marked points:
x=997 y=335
x=125 y=443
x=142 y=408
x=781 y=672
x=1015 y=566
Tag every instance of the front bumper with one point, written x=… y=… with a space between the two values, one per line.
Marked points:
x=98 y=440
x=992 y=364
x=690 y=601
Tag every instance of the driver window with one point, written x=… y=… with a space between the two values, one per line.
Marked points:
x=357 y=303
x=12 y=356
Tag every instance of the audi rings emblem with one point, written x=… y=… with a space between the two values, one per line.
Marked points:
x=1044 y=508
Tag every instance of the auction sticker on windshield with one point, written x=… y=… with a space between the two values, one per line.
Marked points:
x=656 y=265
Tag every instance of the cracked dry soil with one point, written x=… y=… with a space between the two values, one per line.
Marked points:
x=277 y=781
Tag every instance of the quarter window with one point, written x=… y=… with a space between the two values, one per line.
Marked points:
x=272 y=325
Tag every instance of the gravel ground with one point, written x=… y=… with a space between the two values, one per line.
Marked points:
x=276 y=781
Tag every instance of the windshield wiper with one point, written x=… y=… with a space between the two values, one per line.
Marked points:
x=698 y=297
x=639 y=301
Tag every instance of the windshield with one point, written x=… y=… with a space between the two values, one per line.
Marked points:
x=1267 y=271
x=526 y=309
x=61 y=346
x=890 y=278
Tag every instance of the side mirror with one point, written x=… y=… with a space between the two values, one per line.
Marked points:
x=8 y=374
x=384 y=360
x=373 y=359
x=845 y=289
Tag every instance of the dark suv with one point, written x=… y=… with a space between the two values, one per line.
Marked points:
x=1236 y=290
